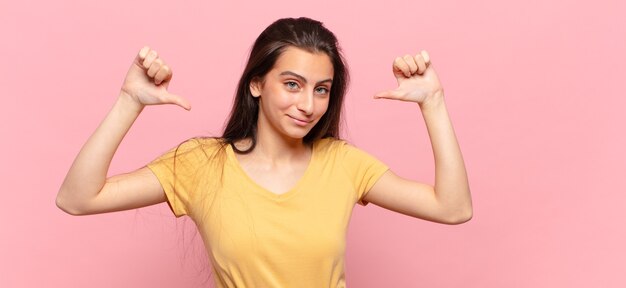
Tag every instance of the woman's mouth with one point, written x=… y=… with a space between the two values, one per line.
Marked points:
x=299 y=122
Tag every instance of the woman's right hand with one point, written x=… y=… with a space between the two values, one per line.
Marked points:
x=147 y=80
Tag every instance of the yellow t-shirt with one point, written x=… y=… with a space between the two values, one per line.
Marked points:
x=256 y=238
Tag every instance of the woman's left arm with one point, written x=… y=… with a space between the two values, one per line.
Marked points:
x=449 y=201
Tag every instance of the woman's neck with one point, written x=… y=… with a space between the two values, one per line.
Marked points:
x=276 y=149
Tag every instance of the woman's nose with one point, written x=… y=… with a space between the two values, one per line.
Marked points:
x=305 y=103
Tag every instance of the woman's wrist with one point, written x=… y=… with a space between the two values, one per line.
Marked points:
x=433 y=102
x=129 y=102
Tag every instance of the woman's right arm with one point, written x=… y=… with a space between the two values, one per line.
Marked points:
x=86 y=190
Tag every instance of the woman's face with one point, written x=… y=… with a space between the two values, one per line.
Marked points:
x=294 y=95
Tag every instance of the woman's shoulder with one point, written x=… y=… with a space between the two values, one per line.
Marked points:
x=209 y=141
x=325 y=143
x=331 y=146
x=339 y=147
x=201 y=144
x=333 y=143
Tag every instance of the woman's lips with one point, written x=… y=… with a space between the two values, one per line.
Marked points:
x=299 y=122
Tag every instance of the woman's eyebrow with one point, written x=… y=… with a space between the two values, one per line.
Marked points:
x=304 y=79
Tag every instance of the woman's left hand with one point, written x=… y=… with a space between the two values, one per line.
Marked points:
x=417 y=80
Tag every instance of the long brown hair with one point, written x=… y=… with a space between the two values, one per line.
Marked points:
x=304 y=33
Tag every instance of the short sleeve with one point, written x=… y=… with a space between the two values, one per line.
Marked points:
x=177 y=171
x=363 y=169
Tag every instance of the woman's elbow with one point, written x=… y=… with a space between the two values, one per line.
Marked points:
x=61 y=204
x=460 y=216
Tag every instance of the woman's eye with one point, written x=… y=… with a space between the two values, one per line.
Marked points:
x=292 y=85
x=322 y=90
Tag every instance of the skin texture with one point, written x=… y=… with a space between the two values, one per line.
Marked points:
x=86 y=190
x=449 y=200
x=280 y=157
x=292 y=89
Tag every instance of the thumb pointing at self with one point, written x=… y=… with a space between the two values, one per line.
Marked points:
x=389 y=94
x=169 y=98
x=148 y=79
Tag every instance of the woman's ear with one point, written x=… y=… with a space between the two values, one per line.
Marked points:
x=256 y=86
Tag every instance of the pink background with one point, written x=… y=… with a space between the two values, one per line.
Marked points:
x=534 y=89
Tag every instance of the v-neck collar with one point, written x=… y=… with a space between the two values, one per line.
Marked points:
x=266 y=192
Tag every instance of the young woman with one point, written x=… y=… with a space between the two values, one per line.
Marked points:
x=273 y=196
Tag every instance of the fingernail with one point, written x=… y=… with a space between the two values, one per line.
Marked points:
x=143 y=52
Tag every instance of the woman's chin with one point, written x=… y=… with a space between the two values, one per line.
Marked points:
x=297 y=133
